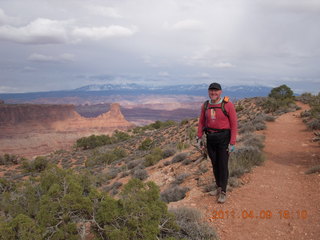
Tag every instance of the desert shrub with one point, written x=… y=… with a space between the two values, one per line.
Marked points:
x=243 y=159
x=152 y=126
x=312 y=117
x=246 y=127
x=209 y=187
x=306 y=98
x=174 y=194
x=155 y=156
x=306 y=113
x=239 y=108
x=106 y=158
x=9 y=159
x=280 y=100
x=180 y=178
x=42 y=204
x=141 y=174
x=113 y=187
x=187 y=161
x=233 y=182
x=203 y=167
x=112 y=173
x=39 y=164
x=167 y=163
x=94 y=141
x=314 y=124
x=120 y=136
x=253 y=140
x=259 y=126
x=282 y=92
x=314 y=169
x=192 y=226
x=191 y=133
x=59 y=204
x=270 y=118
x=182 y=145
x=132 y=164
x=168 y=152
x=136 y=215
x=180 y=157
x=146 y=144
x=6 y=186
x=184 y=122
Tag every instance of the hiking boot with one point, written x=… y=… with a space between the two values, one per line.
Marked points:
x=222 y=197
x=215 y=192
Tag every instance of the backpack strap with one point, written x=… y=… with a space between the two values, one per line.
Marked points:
x=224 y=101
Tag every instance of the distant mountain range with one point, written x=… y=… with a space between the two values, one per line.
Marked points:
x=88 y=91
x=190 y=89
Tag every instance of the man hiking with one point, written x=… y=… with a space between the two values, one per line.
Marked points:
x=218 y=119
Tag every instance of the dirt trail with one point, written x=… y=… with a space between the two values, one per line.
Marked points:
x=279 y=187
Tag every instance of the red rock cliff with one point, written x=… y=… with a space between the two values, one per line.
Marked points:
x=33 y=117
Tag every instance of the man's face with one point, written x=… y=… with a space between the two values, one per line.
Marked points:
x=214 y=94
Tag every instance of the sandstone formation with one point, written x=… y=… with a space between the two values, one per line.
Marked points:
x=34 y=129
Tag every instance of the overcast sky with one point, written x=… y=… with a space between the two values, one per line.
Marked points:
x=65 y=44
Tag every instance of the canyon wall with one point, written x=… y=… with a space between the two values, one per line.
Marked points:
x=34 y=129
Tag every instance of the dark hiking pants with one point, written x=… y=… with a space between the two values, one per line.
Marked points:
x=217 y=144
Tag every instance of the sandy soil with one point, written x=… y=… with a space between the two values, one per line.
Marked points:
x=278 y=201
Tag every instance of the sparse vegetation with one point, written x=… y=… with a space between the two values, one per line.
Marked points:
x=314 y=169
x=141 y=174
x=146 y=144
x=94 y=141
x=180 y=157
x=61 y=204
x=153 y=126
x=280 y=100
x=312 y=116
x=155 y=156
x=174 y=194
x=107 y=157
x=192 y=226
x=10 y=159
x=38 y=165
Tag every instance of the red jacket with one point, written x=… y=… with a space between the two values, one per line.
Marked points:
x=215 y=118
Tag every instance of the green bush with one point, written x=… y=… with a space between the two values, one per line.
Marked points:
x=94 y=141
x=138 y=214
x=120 y=136
x=312 y=116
x=9 y=159
x=192 y=225
x=155 y=156
x=146 y=144
x=6 y=186
x=107 y=157
x=182 y=145
x=60 y=204
x=39 y=164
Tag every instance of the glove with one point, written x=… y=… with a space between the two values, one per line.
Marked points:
x=231 y=148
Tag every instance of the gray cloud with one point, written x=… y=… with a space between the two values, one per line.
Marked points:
x=46 y=58
x=163 y=42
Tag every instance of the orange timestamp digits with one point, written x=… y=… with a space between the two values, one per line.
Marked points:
x=260 y=214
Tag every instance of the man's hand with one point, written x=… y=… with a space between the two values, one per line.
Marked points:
x=199 y=143
x=231 y=148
